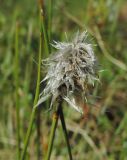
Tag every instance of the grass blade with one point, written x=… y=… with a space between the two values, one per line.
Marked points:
x=34 y=108
x=16 y=73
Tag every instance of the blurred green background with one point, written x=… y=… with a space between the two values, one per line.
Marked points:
x=103 y=136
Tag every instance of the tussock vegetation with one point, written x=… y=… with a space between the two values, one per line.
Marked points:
x=103 y=135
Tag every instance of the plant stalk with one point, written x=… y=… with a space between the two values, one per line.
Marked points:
x=38 y=138
x=50 y=2
x=52 y=133
x=65 y=132
x=34 y=108
x=56 y=115
x=16 y=91
x=43 y=28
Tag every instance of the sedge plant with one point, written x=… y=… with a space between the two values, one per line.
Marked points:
x=43 y=33
x=70 y=70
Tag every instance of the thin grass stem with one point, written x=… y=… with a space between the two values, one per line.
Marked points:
x=34 y=108
x=38 y=136
x=47 y=47
x=52 y=133
x=49 y=18
x=43 y=28
x=65 y=132
x=16 y=69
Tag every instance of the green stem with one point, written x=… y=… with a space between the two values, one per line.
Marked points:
x=47 y=47
x=52 y=134
x=65 y=132
x=38 y=138
x=16 y=91
x=49 y=18
x=56 y=115
x=34 y=108
x=28 y=134
x=43 y=28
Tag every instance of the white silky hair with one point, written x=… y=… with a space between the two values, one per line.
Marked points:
x=69 y=70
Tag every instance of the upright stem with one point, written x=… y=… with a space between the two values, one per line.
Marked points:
x=16 y=91
x=28 y=134
x=38 y=138
x=49 y=18
x=52 y=134
x=65 y=132
x=43 y=28
x=38 y=118
x=34 y=108
x=56 y=115
x=47 y=47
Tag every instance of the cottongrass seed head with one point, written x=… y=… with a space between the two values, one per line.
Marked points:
x=69 y=72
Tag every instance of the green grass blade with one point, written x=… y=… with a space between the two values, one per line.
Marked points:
x=52 y=133
x=50 y=2
x=65 y=133
x=34 y=108
x=43 y=29
x=16 y=73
